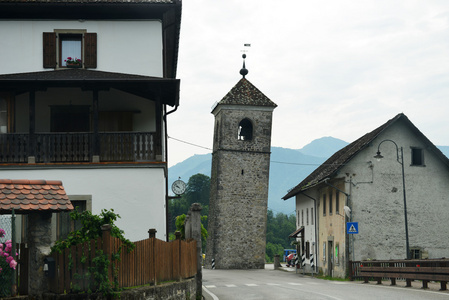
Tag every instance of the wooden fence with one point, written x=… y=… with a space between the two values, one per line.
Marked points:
x=152 y=261
x=408 y=270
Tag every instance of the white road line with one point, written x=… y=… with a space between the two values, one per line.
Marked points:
x=251 y=284
x=212 y=295
x=294 y=283
x=211 y=286
x=231 y=285
x=273 y=284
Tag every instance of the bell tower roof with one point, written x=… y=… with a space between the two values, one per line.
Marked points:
x=245 y=93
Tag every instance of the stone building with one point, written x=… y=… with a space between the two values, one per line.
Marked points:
x=395 y=221
x=239 y=178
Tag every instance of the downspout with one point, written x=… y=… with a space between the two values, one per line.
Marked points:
x=316 y=230
x=167 y=229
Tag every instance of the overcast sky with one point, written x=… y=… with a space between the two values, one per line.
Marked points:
x=334 y=68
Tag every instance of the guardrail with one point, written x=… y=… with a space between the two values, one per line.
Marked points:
x=424 y=270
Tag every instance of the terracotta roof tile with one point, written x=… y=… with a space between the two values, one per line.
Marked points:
x=33 y=195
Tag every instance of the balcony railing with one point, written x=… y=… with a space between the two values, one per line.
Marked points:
x=78 y=147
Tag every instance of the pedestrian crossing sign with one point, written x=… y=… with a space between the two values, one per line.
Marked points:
x=352 y=227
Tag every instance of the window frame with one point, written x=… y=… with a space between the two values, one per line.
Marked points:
x=413 y=156
x=414 y=251
x=324 y=204
x=337 y=202
x=66 y=37
x=330 y=203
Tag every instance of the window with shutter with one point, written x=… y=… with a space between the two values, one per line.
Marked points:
x=90 y=50
x=71 y=43
x=49 y=49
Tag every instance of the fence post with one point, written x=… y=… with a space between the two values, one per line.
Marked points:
x=178 y=240
x=152 y=234
x=106 y=242
x=277 y=264
x=195 y=229
x=351 y=270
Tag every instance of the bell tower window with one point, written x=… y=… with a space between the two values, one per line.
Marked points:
x=245 y=130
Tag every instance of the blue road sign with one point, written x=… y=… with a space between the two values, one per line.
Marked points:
x=352 y=227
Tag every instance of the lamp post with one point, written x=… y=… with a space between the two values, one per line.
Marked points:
x=378 y=156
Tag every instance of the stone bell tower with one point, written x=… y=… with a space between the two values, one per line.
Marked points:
x=239 y=178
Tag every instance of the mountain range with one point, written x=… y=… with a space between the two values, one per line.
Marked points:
x=288 y=168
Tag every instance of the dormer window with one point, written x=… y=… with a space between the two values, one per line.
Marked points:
x=245 y=130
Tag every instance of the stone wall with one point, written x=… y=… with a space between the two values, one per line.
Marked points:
x=239 y=190
x=39 y=240
x=182 y=290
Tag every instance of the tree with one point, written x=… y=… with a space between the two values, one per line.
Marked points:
x=197 y=191
x=279 y=227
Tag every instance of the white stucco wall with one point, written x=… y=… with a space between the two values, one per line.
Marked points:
x=378 y=205
x=136 y=194
x=304 y=203
x=123 y=46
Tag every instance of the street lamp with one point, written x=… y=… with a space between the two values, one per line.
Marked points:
x=378 y=156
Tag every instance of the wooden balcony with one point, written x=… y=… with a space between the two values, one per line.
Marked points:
x=79 y=147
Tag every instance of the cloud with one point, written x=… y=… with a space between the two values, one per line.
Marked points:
x=335 y=68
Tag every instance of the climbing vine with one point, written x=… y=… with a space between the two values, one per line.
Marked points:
x=98 y=274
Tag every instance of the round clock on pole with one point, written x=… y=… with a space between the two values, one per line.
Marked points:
x=178 y=187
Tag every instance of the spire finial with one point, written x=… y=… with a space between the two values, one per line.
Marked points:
x=243 y=70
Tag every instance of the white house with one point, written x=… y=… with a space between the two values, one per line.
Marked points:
x=391 y=217
x=99 y=127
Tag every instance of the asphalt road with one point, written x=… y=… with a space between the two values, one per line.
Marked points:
x=281 y=284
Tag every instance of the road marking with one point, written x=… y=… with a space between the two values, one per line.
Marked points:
x=294 y=283
x=273 y=284
x=231 y=285
x=212 y=295
x=339 y=282
x=251 y=284
x=211 y=286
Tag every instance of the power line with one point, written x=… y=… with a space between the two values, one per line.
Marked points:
x=188 y=143
x=299 y=164
x=272 y=161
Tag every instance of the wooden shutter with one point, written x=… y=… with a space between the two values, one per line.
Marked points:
x=49 y=41
x=90 y=50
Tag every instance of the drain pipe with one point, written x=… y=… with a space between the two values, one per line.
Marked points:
x=167 y=222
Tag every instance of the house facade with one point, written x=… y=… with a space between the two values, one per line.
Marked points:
x=352 y=186
x=99 y=126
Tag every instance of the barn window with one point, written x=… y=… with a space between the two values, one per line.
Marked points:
x=245 y=130
x=417 y=157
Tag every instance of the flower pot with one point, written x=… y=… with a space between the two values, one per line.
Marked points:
x=73 y=65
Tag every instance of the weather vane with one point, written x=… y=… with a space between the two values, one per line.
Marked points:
x=243 y=70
